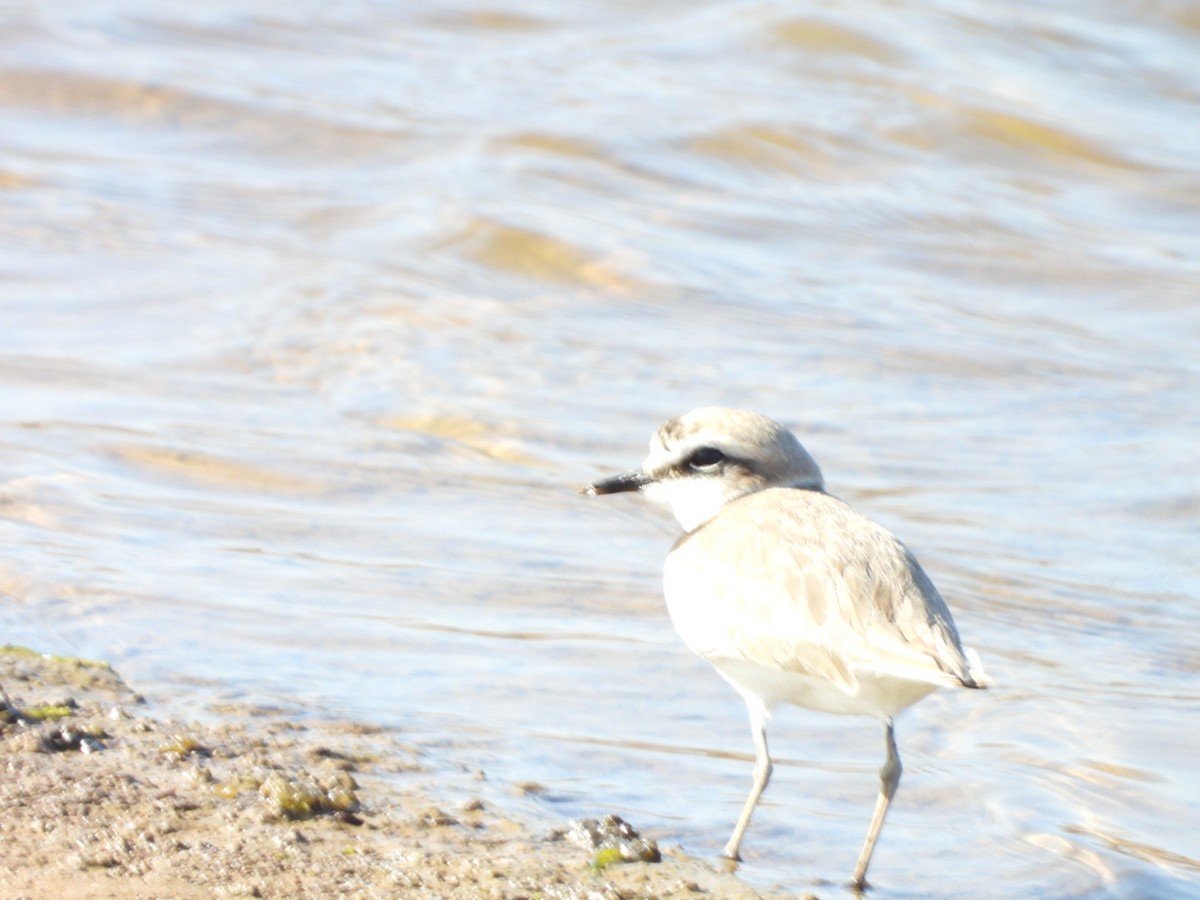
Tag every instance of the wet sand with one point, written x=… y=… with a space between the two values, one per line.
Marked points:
x=101 y=797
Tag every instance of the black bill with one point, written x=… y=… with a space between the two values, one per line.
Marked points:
x=626 y=481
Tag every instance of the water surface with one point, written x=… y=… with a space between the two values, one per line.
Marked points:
x=314 y=318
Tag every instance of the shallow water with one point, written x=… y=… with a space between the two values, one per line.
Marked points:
x=315 y=319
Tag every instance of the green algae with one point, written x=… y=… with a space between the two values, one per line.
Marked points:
x=77 y=662
x=302 y=796
x=46 y=713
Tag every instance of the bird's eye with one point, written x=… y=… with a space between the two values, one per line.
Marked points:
x=705 y=458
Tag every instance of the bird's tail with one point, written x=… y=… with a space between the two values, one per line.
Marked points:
x=976 y=677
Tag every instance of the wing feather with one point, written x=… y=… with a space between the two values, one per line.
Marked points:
x=797 y=580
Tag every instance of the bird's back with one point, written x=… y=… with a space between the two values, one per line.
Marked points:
x=797 y=598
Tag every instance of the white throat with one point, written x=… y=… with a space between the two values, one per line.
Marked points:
x=693 y=501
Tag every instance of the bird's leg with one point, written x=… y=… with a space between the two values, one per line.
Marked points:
x=762 y=774
x=889 y=778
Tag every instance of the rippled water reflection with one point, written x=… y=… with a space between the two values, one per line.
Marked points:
x=314 y=319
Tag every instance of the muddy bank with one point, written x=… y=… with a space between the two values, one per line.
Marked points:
x=100 y=797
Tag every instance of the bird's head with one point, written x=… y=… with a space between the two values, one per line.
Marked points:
x=710 y=456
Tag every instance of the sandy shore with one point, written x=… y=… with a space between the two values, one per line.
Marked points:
x=102 y=798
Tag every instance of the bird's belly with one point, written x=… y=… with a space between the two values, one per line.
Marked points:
x=880 y=696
